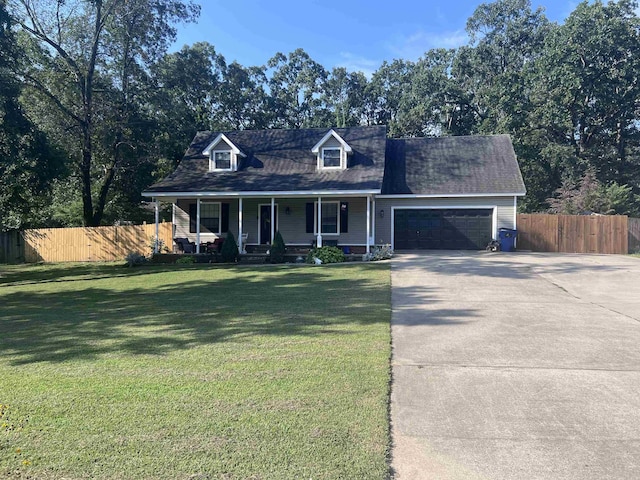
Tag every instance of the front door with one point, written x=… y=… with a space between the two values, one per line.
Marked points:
x=265 y=223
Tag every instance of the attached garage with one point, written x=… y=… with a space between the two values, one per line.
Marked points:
x=442 y=229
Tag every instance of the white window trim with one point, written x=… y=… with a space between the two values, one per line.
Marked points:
x=315 y=218
x=212 y=161
x=341 y=154
x=218 y=232
x=329 y=134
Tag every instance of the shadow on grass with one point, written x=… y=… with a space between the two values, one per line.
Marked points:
x=47 y=273
x=171 y=312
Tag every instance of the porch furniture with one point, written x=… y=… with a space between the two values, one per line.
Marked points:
x=208 y=247
x=245 y=236
x=217 y=244
x=184 y=245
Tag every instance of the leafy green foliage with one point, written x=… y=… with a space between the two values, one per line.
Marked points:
x=326 y=255
x=567 y=94
x=278 y=249
x=382 y=252
x=134 y=259
x=28 y=164
x=229 y=252
x=186 y=260
x=591 y=196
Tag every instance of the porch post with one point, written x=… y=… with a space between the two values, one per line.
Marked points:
x=273 y=218
x=198 y=226
x=319 y=222
x=368 y=223
x=157 y=212
x=240 y=245
x=373 y=220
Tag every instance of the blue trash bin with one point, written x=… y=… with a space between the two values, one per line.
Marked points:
x=507 y=239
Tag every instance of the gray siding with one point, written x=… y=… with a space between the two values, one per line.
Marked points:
x=505 y=210
x=181 y=227
x=331 y=143
x=291 y=226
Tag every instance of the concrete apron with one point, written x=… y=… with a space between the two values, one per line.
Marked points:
x=515 y=366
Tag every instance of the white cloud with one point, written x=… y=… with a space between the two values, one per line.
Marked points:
x=357 y=63
x=414 y=46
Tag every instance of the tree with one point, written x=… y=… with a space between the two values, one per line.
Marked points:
x=184 y=96
x=494 y=74
x=295 y=86
x=587 y=91
x=591 y=196
x=434 y=103
x=385 y=93
x=27 y=162
x=84 y=60
x=344 y=97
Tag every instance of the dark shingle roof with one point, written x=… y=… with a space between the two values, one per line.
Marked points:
x=281 y=160
x=452 y=165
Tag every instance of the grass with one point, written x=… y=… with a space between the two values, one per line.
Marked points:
x=194 y=372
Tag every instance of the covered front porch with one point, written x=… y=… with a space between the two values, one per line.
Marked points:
x=346 y=220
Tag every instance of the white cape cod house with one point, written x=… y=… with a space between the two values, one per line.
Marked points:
x=352 y=187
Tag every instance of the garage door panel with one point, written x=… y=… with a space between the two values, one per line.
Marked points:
x=460 y=229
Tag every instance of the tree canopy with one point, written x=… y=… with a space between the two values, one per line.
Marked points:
x=95 y=108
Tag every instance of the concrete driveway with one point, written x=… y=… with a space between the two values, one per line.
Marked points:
x=515 y=366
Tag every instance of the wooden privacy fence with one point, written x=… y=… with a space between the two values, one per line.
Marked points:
x=91 y=244
x=541 y=232
x=634 y=235
x=11 y=247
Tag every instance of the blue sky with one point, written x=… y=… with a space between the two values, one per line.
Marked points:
x=358 y=35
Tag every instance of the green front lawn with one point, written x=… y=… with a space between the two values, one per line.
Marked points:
x=194 y=372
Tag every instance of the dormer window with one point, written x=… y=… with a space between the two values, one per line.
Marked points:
x=221 y=160
x=331 y=158
x=332 y=152
x=223 y=154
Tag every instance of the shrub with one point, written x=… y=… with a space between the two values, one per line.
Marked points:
x=162 y=248
x=326 y=255
x=278 y=248
x=186 y=260
x=229 y=252
x=135 y=258
x=383 y=252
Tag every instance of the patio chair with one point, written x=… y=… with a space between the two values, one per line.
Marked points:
x=184 y=245
x=245 y=236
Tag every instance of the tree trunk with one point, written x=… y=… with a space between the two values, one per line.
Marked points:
x=85 y=175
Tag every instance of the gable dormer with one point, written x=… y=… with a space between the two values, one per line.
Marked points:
x=331 y=152
x=223 y=155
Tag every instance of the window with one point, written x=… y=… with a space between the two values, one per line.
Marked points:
x=331 y=158
x=330 y=218
x=221 y=160
x=210 y=218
